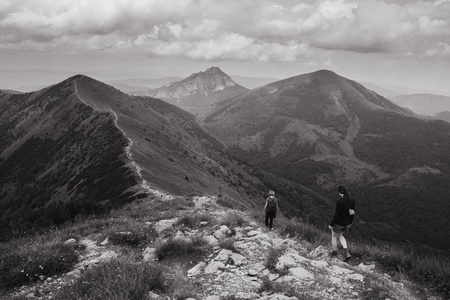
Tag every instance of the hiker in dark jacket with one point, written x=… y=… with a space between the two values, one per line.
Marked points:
x=271 y=209
x=342 y=221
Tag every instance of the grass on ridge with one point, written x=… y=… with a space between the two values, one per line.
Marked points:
x=32 y=259
x=116 y=280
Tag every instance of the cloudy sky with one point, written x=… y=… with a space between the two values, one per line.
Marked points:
x=395 y=42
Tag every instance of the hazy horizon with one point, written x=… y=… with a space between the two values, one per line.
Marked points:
x=397 y=43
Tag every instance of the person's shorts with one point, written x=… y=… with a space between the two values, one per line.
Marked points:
x=339 y=228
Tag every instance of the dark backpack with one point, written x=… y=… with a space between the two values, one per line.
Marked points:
x=272 y=205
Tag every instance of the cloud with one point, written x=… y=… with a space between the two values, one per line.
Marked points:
x=263 y=30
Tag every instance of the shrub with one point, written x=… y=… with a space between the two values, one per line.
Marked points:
x=129 y=233
x=117 y=280
x=234 y=219
x=282 y=288
x=375 y=293
x=272 y=258
x=19 y=265
x=193 y=220
x=181 y=246
x=228 y=244
x=128 y=239
x=304 y=231
x=226 y=202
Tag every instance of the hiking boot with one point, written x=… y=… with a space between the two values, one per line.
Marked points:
x=347 y=256
x=333 y=253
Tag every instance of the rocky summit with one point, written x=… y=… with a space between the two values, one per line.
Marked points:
x=242 y=261
x=199 y=92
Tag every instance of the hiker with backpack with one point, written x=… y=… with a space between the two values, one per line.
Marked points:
x=271 y=209
x=342 y=221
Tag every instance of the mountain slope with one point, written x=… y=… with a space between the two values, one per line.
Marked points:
x=82 y=141
x=200 y=91
x=320 y=130
x=313 y=117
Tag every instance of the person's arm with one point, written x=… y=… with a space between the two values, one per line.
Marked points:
x=352 y=216
x=265 y=208
x=276 y=210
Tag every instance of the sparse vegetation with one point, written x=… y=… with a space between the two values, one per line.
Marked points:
x=24 y=261
x=432 y=271
x=302 y=231
x=192 y=220
x=228 y=243
x=234 y=219
x=116 y=280
x=284 y=289
x=272 y=258
x=181 y=246
x=128 y=232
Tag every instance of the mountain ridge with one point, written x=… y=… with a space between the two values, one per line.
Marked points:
x=82 y=128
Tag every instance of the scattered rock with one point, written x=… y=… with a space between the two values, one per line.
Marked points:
x=70 y=242
x=105 y=242
x=224 y=255
x=212 y=240
x=222 y=232
x=108 y=255
x=290 y=259
x=237 y=259
x=74 y=273
x=367 y=268
x=319 y=253
x=253 y=233
x=152 y=295
x=356 y=277
x=336 y=270
x=320 y=264
x=162 y=225
x=301 y=273
x=149 y=254
x=241 y=295
x=196 y=270
x=214 y=267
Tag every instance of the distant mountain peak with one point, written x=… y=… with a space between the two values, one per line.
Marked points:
x=199 y=91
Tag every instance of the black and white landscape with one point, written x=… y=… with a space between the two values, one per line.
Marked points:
x=145 y=136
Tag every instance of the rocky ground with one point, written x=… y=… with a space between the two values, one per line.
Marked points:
x=299 y=271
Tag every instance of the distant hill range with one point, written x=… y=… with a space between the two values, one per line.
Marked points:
x=252 y=82
x=199 y=92
x=424 y=104
x=82 y=146
x=8 y=92
x=136 y=86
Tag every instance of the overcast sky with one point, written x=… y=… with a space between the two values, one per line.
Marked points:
x=405 y=43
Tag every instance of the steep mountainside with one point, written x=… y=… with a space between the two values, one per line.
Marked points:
x=199 y=92
x=424 y=104
x=300 y=121
x=320 y=130
x=80 y=145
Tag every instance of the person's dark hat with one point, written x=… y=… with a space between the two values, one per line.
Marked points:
x=341 y=189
